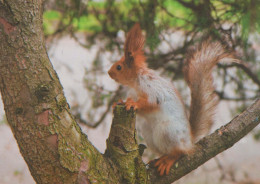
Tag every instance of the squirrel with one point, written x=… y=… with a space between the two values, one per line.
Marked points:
x=167 y=128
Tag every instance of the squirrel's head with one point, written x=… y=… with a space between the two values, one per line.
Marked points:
x=126 y=70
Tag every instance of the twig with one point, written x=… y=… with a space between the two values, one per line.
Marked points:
x=246 y=69
x=243 y=98
x=79 y=118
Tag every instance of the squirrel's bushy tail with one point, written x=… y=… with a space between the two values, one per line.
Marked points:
x=198 y=75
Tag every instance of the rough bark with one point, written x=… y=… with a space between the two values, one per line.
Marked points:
x=122 y=147
x=51 y=142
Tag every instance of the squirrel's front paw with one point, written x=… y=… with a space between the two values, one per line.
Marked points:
x=131 y=104
x=119 y=102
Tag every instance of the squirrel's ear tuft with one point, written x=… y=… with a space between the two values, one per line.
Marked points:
x=134 y=43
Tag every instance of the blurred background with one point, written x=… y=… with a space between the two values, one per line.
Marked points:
x=85 y=37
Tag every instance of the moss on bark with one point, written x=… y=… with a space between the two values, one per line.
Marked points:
x=123 y=149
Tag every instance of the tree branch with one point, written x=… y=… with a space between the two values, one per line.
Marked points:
x=246 y=69
x=190 y=5
x=211 y=145
x=222 y=96
x=79 y=118
x=123 y=151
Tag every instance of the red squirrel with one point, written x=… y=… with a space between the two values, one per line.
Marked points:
x=167 y=129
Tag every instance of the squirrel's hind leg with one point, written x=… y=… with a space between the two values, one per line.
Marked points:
x=165 y=162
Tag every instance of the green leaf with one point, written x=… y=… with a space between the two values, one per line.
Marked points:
x=51 y=15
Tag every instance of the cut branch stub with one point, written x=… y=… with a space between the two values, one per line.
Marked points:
x=122 y=147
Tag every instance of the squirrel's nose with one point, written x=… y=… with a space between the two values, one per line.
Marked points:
x=111 y=74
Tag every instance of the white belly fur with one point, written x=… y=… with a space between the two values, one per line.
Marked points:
x=163 y=132
x=168 y=127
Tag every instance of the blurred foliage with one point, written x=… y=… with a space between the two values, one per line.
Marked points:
x=107 y=17
x=235 y=23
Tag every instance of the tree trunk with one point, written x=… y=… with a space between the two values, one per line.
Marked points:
x=51 y=142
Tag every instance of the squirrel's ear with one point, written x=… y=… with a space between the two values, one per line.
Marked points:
x=134 y=43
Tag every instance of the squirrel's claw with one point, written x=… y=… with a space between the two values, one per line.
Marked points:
x=119 y=102
x=131 y=104
x=164 y=164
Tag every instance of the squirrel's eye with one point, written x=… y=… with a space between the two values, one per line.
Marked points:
x=118 y=67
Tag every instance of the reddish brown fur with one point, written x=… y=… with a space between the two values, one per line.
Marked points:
x=141 y=104
x=134 y=41
x=165 y=162
x=125 y=76
x=134 y=44
x=198 y=75
x=128 y=73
